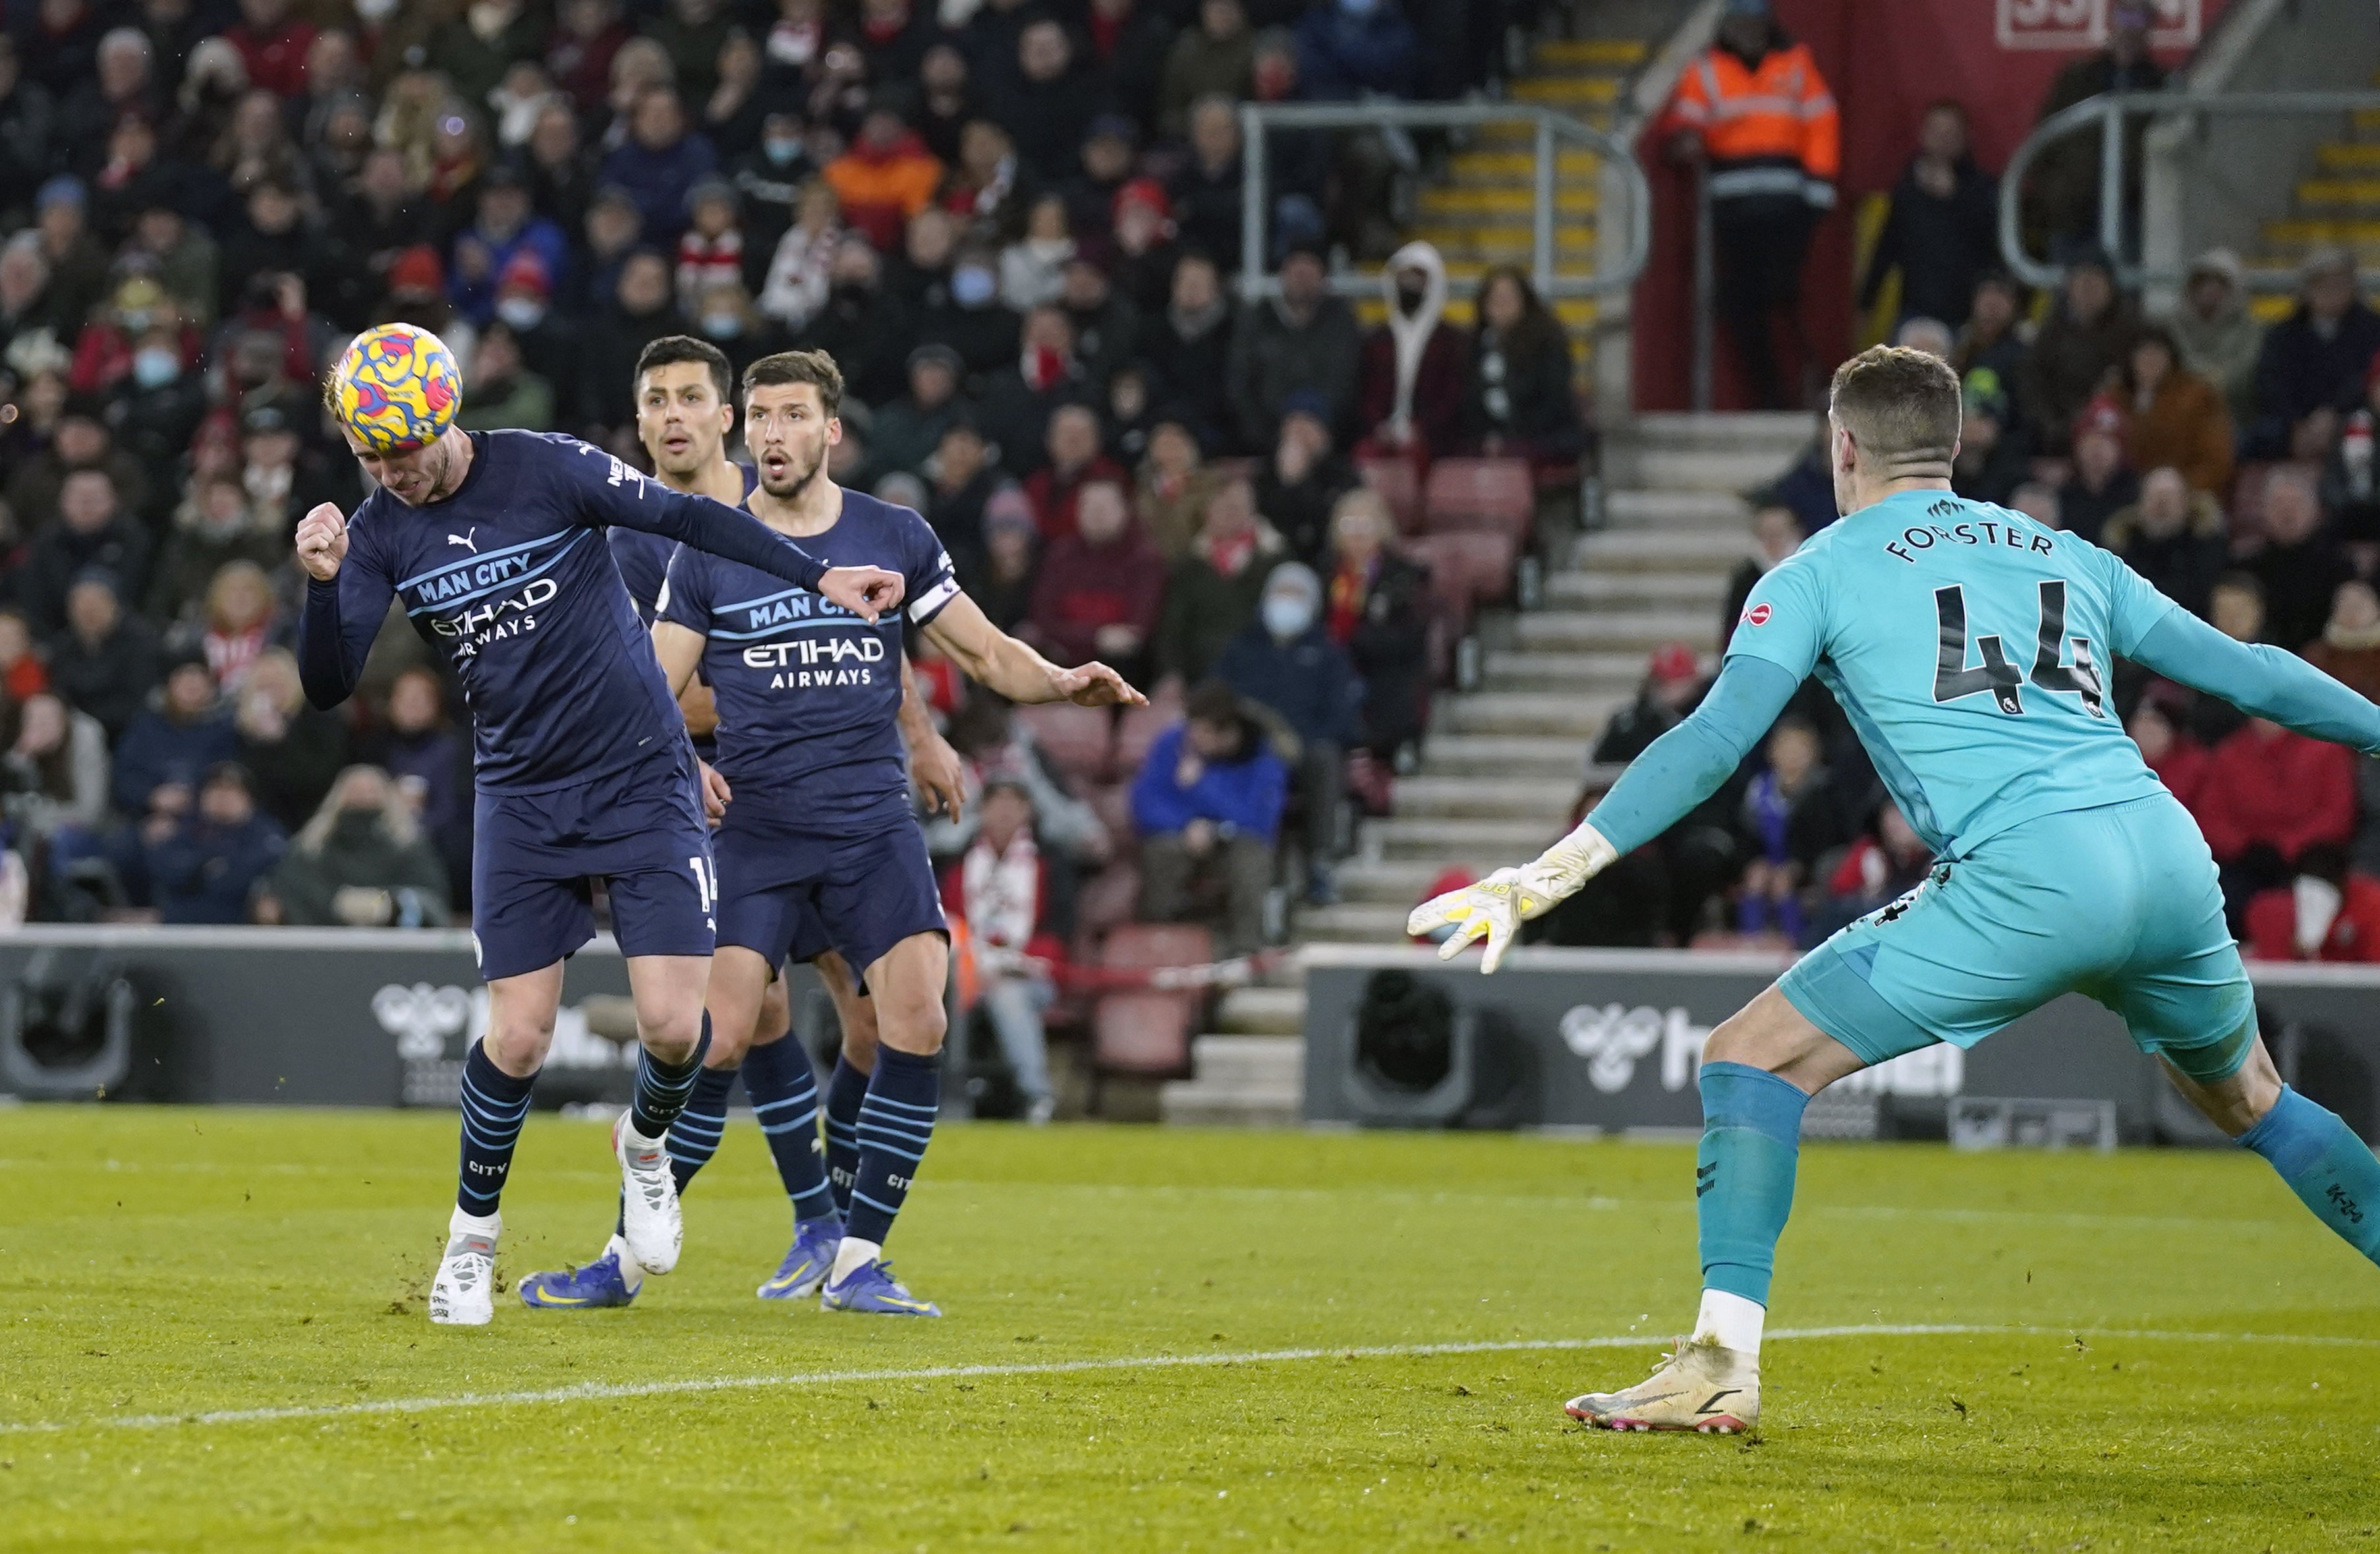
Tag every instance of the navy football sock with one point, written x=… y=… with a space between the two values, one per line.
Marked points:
x=784 y=1092
x=662 y=1089
x=2329 y=1169
x=1744 y=1175
x=694 y=1137
x=846 y=1090
x=896 y=1122
x=494 y=1106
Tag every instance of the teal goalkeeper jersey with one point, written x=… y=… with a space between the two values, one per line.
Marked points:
x=1972 y=648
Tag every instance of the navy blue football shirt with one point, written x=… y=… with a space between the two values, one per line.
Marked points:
x=643 y=557
x=808 y=694
x=510 y=579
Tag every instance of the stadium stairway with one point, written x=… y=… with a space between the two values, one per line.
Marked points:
x=1505 y=763
x=2337 y=203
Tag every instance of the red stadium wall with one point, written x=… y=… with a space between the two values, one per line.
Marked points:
x=1886 y=60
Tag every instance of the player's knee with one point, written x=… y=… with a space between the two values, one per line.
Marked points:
x=670 y=1034
x=728 y=1045
x=517 y=1044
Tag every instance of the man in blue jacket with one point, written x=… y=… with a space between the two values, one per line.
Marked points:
x=1286 y=664
x=203 y=865
x=1208 y=806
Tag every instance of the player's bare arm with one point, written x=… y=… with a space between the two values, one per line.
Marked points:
x=998 y=662
x=934 y=767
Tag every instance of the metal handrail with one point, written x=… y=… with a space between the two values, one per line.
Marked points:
x=1551 y=126
x=2109 y=110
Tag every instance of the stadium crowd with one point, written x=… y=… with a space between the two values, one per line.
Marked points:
x=1016 y=225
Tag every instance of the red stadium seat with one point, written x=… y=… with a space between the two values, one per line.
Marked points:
x=1397 y=486
x=1108 y=899
x=1143 y=1033
x=1466 y=568
x=1494 y=495
x=1139 y=946
x=1077 y=738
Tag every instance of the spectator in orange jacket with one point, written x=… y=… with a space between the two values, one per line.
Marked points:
x=1755 y=109
x=2327 y=913
x=887 y=176
x=2176 y=416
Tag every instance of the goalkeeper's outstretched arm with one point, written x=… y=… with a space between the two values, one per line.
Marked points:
x=2264 y=682
x=1676 y=772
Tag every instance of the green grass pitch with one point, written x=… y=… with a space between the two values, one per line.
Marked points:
x=1166 y=1340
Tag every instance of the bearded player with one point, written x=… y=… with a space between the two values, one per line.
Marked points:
x=1969 y=646
x=493 y=543
x=809 y=765
x=685 y=411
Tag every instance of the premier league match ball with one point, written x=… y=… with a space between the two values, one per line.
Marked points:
x=396 y=388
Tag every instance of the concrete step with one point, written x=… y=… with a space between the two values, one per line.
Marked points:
x=1354 y=922
x=1630 y=635
x=1518 y=169
x=1244 y=1081
x=1498 y=755
x=1262 y=1011
x=1676 y=509
x=1574 y=716
x=1697 y=469
x=1535 y=669
x=1659 y=550
x=1464 y=841
x=1509 y=797
x=1785 y=430
x=1393 y=881
x=1588 y=589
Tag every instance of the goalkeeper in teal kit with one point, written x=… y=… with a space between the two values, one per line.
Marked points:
x=1971 y=649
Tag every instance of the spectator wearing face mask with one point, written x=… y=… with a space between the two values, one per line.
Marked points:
x=972 y=320
x=204 y=867
x=1412 y=389
x=1101 y=588
x=1001 y=887
x=1292 y=676
x=162 y=400
x=360 y=862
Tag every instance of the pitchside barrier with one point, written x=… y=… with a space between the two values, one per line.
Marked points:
x=309 y=1017
x=1610 y=1040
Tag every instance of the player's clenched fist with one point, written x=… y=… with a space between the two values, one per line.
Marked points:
x=323 y=541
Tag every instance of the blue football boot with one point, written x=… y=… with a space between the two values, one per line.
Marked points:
x=871 y=1287
x=808 y=1264
x=601 y=1283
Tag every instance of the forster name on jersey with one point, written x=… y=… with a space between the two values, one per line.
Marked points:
x=1957 y=524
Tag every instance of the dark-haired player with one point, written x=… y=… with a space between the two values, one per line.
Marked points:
x=684 y=389
x=818 y=811
x=1970 y=646
x=493 y=543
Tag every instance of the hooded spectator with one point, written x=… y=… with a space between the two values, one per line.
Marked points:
x=2215 y=333
x=1003 y=578
x=1414 y=383
x=2177 y=418
x=360 y=862
x=1101 y=586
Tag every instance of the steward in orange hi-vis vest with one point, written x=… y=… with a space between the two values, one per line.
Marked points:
x=1754 y=108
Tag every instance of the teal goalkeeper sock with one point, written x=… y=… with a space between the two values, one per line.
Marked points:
x=2328 y=1168
x=1744 y=1175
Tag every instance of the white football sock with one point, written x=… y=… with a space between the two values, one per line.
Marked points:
x=850 y=1254
x=1731 y=1321
x=459 y=1224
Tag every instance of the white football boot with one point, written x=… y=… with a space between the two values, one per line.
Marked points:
x=650 y=1221
x=463 y=1295
x=1699 y=1386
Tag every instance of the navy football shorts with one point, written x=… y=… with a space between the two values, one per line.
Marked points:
x=784 y=890
x=535 y=857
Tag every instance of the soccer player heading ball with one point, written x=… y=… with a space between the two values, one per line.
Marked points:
x=493 y=543
x=1969 y=646
x=819 y=834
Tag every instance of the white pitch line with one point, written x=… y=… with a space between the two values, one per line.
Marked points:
x=604 y=1391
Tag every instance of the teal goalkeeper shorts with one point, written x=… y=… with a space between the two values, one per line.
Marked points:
x=2119 y=903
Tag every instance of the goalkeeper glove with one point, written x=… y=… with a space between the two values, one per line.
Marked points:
x=1495 y=908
